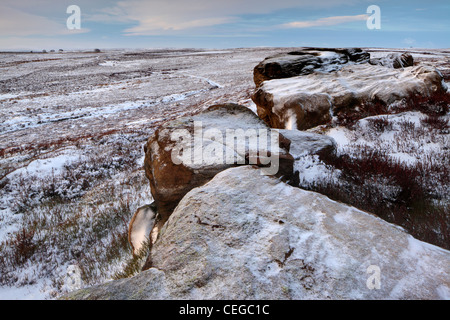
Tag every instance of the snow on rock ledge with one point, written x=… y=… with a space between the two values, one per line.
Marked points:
x=202 y=138
x=306 y=61
x=308 y=143
x=248 y=236
x=307 y=101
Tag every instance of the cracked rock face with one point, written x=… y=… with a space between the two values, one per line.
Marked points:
x=244 y=235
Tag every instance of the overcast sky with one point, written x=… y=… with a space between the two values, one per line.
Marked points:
x=42 y=24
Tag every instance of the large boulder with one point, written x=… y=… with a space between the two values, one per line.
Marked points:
x=187 y=152
x=244 y=235
x=305 y=62
x=307 y=101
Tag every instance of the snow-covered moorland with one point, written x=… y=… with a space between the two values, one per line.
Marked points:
x=393 y=165
x=72 y=131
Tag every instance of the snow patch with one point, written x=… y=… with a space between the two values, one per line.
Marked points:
x=48 y=166
x=7 y=96
x=443 y=292
x=126 y=64
x=22 y=293
x=209 y=81
x=340 y=135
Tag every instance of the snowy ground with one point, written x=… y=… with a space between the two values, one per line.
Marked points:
x=72 y=129
x=410 y=148
x=395 y=166
x=71 y=137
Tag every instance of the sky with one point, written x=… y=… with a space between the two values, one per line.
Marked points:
x=104 y=24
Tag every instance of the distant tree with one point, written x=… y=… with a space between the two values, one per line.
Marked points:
x=52 y=50
x=60 y=50
x=97 y=50
x=44 y=51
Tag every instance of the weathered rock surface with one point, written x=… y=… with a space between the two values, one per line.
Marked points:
x=394 y=60
x=244 y=235
x=304 y=102
x=306 y=61
x=308 y=143
x=202 y=149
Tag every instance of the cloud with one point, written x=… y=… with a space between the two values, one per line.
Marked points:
x=147 y=27
x=117 y=14
x=15 y=22
x=329 y=21
x=165 y=17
